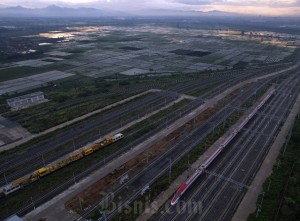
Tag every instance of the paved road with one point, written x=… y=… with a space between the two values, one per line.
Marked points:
x=38 y=154
x=158 y=167
x=47 y=210
x=43 y=152
x=248 y=204
x=39 y=150
x=199 y=102
x=218 y=196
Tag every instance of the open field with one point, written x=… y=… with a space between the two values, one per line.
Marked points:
x=101 y=51
x=171 y=86
x=25 y=83
x=281 y=194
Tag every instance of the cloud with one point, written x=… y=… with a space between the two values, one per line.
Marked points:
x=280 y=7
x=254 y=3
x=254 y=10
x=195 y=2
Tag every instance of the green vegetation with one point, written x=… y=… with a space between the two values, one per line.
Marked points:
x=294 y=57
x=163 y=183
x=4 y=108
x=92 y=133
x=68 y=99
x=25 y=71
x=281 y=200
x=240 y=65
x=199 y=91
x=23 y=148
x=42 y=186
x=152 y=121
x=18 y=72
x=250 y=102
x=75 y=96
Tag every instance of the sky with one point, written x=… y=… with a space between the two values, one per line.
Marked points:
x=253 y=7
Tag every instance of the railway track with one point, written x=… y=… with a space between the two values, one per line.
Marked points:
x=40 y=153
x=239 y=162
x=160 y=165
x=185 y=109
x=179 y=89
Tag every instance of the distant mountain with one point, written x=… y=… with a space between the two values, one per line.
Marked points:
x=220 y=13
x=173 y=12
x=58 y=11
x=3 y=6
x=55 y=11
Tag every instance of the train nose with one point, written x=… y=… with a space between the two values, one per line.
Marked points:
x=174 y=201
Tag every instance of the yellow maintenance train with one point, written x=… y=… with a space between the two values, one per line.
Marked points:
x=52 y=167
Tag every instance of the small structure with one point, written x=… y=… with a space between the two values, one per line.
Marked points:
x=14 y=218
x=26 y=100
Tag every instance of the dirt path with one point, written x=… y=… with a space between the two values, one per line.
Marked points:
x=28 y=138
x=248 y=204
x=55 y=210
x=167 y=194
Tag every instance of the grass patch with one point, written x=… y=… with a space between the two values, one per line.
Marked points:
x=18 y=72
x=42 y=186
x=80 y=95
x=163 y=183
x=199 y=91
x=281 y=200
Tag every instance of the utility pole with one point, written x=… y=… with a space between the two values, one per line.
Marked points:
x=73 y=144
x=5 y=178
x=288 y=140
x=260 y=205
x=103 y=214
x=74 y=177
x=170 y=169
x=262 y=199
x=80 y=203
x=32 y=202
x=149 y=195
x=147 y=157
x=269 y=185
x=43 y=160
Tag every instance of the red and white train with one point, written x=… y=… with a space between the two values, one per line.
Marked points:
x=189 y=182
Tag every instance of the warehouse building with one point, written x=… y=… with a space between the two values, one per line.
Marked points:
x=26 y=100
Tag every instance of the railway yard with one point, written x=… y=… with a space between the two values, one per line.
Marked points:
x=220 y=196
x=45 y=151
x=168 y=133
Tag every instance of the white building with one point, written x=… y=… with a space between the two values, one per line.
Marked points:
x=26 y=100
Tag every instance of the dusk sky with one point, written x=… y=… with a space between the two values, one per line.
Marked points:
x=256 y=7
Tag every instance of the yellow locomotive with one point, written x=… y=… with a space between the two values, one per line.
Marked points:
x=62 y=162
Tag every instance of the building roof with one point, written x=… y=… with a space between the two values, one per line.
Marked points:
x=25 y=96
x=14 y=218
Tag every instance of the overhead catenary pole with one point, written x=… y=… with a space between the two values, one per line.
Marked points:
x=43 y=160
x=73 y=144
x=5 y=178
x=147 y=155
x=32 y=202
x=170 y=169
x=74 y=177
x=103 y=215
